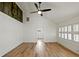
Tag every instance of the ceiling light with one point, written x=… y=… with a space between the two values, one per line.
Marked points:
x=39 y=12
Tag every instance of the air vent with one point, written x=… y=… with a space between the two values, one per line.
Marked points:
x=27 y=19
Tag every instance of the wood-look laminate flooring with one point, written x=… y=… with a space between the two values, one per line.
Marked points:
x=40 y=50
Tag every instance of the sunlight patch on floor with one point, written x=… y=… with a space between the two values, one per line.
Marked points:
x=40 y=48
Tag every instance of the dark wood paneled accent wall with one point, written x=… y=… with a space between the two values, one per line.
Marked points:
x=12 y=9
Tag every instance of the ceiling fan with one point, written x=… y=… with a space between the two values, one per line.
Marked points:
x=39 y=11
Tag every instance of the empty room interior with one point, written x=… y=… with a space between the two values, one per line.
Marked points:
x=39 y=29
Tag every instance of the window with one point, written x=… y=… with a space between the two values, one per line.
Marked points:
x=65 y=35
x=76 y=33
x=70 y=32
x=62 y=29
x=76 y=27
x=76 y=37
x=59 y=34
x=59 y=29
x=62 y=35
x=69 y=28
x=69 y=36
x=65 y=29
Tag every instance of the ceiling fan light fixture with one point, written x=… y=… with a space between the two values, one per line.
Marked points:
x=39 y=12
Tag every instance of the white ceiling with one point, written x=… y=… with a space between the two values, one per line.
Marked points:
x=61 y=11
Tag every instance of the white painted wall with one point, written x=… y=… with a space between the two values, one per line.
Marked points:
x=47 y=27
x=71 y=44
x=11 y=33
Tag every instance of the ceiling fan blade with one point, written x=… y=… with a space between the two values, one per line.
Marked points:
x=45 y=10
x=36 y=5
x=34 y=12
